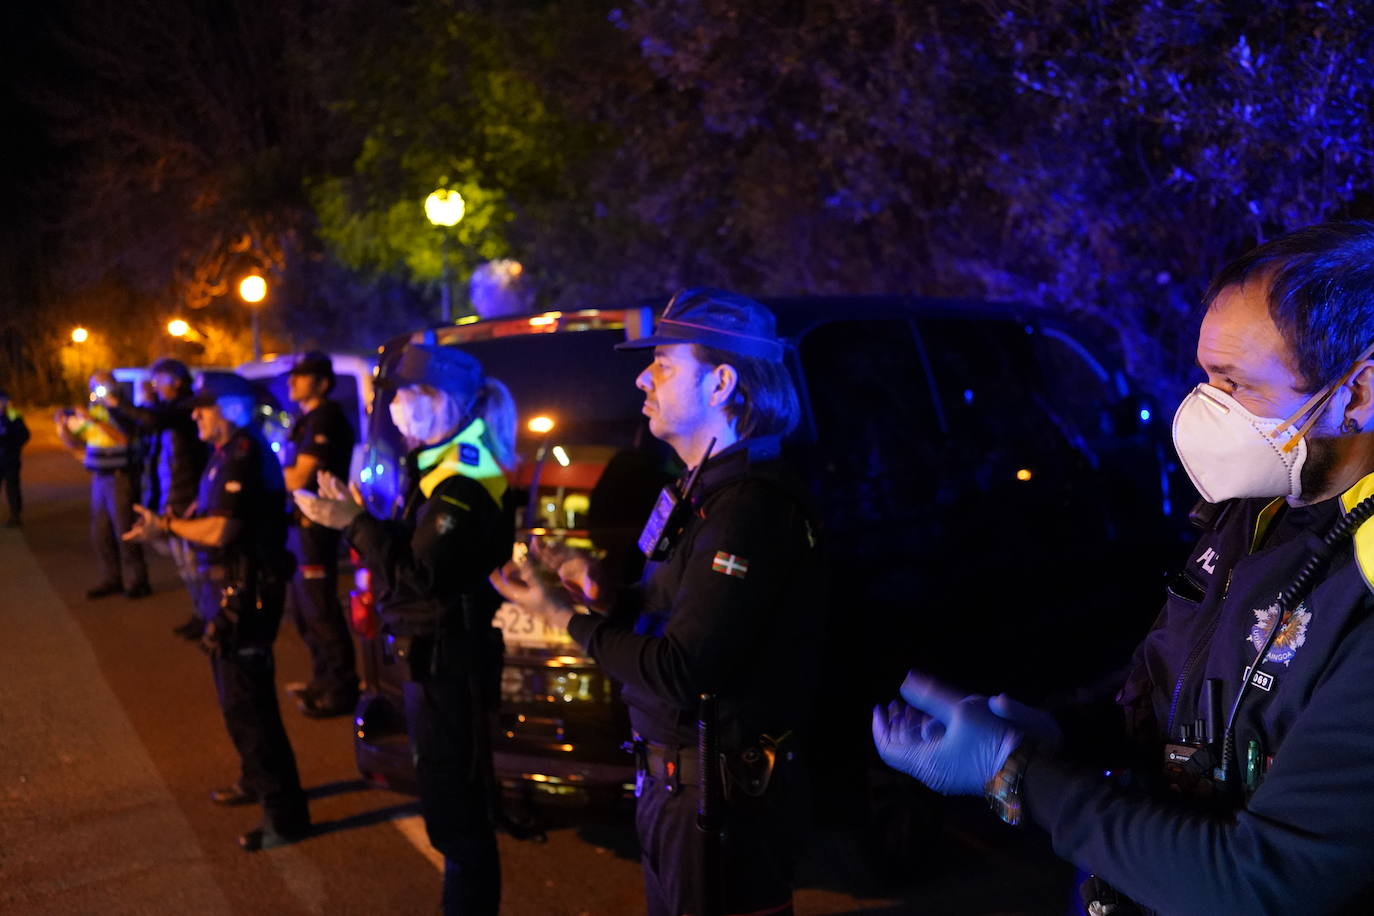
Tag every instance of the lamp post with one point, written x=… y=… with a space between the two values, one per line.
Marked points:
x=252 y=290
x=445 y=208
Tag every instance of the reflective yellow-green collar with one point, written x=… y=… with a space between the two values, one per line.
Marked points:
x=1364 y=535
x=466 y=455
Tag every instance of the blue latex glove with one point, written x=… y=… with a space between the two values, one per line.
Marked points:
x=954 y=744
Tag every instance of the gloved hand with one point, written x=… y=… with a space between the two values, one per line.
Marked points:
x=331 y=513
x=954 y=744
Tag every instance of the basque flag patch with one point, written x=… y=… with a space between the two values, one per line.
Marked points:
x=729 y=564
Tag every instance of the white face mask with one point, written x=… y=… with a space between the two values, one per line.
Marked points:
x=418 y=417
x=1229 y=452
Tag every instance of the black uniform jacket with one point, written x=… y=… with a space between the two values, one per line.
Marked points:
x=453 y=532
x=1303 y=840
x=176 y=456
x=243 y=481
x=13 y=435
x=742 y=602
x=325 y=434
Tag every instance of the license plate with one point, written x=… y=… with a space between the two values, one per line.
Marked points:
x=524 y=629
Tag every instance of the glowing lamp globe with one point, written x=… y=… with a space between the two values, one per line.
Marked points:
x=540 y=424
x=79 y=335
x=445 y=207
x=177 y=328
x=253 y=288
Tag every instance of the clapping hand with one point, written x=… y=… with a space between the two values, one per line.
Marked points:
x=954 y=744
x=531 y=587
x=334 y=507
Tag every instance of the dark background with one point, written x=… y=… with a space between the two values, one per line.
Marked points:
x=1098 y=158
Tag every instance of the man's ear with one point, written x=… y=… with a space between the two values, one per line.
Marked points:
x=726 y=379
x=1360 y=407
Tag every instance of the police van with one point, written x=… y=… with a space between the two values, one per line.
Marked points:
x=997 y=504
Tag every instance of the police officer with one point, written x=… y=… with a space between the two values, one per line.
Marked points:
x=321 y=440
x=110 y=454
x=174 y=461
x=13 y=435
x=742 y=608
x=1244 y=720
x=429 y=570
x=238 y=531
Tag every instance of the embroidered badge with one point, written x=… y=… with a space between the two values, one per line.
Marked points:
x=469 y=454
x=445 y=523
x=321 y=438
x=232 y=486
x=1291 y=636
x=730 y=565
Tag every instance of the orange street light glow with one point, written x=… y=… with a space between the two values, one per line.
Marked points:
x=1023 y=474
x=253 y=288
x=79 y=335
x=177 y=328
x=540 y=424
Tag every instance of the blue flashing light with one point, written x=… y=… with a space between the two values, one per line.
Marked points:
x=968 y=395
x=365 y=475
x=378 y=470
x=276 y=447
x=1144 y=415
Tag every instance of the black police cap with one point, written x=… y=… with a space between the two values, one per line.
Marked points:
x=216 y=385
x=715 y=318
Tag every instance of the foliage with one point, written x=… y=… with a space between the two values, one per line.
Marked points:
x=1093 y=156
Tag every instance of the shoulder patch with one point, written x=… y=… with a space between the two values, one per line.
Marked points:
x=445 y=523
x=730 y=565
x=469 y=454
x=321 y=438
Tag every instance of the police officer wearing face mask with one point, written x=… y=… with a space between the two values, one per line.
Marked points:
x=429 y=569
x=1240 y=770
x=736 y=583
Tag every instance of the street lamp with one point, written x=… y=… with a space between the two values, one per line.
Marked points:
x=178 y=328
x=253 y=289
x=80 y=335
x=445 y=208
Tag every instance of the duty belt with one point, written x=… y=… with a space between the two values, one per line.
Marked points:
x=671 y=767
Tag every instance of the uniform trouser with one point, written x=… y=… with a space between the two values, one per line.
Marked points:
x=764 y=840
x=245 y=683
x=112 y=514
x=319 y=616
x=9 y=478
x=441 y=718
x=185 y=559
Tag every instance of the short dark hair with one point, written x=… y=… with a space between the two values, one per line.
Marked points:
x=765 y=401
x=1320 y=291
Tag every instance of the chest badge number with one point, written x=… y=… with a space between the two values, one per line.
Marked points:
x=1208 y=560
x=730 y=565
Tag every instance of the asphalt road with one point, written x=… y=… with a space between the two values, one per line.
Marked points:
x=110 y=739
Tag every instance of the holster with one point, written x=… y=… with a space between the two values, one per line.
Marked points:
x=749 y=771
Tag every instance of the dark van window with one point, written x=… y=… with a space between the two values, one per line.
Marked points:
x=874 y=422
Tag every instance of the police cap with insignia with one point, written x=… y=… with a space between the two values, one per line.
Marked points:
x=714 y=318
x=316 y=363
x=448 y=369
x=216 y=385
